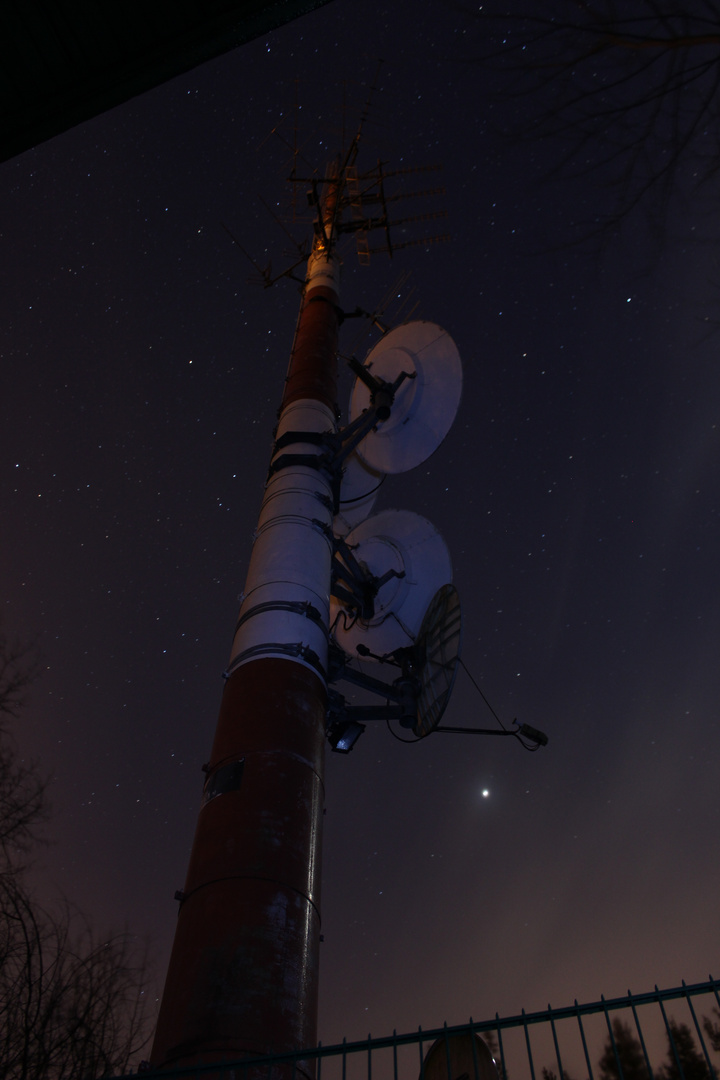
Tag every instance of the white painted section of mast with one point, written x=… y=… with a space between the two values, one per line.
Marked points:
x=323 y=270
x=291 y=557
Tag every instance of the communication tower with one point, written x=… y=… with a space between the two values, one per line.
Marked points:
x=326 y=583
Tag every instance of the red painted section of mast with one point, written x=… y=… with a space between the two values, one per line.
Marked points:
x=242 y=978
x=243 y=973
x=313 y=365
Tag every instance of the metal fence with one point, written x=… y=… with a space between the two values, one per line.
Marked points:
x=662 y=1035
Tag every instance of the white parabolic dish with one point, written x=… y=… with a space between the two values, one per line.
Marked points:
x=402 y=541
x=424 y=407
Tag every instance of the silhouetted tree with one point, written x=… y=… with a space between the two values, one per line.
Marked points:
x=72 y=1005
x=550 y=1074
x=631 y=88
x=627 y=1051
x=685 y=1062
x=22 y=789
x=712 y=1029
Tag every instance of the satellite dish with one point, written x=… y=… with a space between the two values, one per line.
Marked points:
x=437 y=652
x=465 y=1054
x=408 y=544
x=424 y=407
x=358 y=492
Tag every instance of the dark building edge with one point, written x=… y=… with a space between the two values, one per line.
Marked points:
x=64 y=62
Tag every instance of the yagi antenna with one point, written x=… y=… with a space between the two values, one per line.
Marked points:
x=362 y=205
x=346 y=166
x=425 y=241
x=366 y=110
x=292 y=146
x=369 y=199
x=267 y=280
x=411 y=169
x=301 y=248
x=388 y=313
x=264 y=272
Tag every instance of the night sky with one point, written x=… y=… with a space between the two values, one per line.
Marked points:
x=577 y=492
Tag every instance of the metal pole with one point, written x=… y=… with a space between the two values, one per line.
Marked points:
x=243 y=973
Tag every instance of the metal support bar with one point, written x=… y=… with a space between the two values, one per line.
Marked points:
x=474 y=731
x=367 y=682
x=363 y=425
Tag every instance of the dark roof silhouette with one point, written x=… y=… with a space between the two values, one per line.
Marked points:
x=65 y=61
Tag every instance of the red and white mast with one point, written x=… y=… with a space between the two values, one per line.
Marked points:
x=243 y=974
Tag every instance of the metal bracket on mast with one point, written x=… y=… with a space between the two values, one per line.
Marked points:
x=344 y=723
x=276 y=648
x=353 y=584
x=297 y=607
x=338 y=446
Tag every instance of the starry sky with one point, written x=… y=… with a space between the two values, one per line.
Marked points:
x=577 y=492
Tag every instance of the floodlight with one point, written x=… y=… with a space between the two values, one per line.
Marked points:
x=343 y=735
x=533 y=734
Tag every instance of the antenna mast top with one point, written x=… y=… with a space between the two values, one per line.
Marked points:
x=349 y=201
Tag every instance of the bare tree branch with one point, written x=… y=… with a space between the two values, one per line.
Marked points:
x=629 y=91
x=19 y=668
x=23 y=789
x=72 y=1006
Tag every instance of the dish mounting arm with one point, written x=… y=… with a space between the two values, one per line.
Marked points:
x=352 y=584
